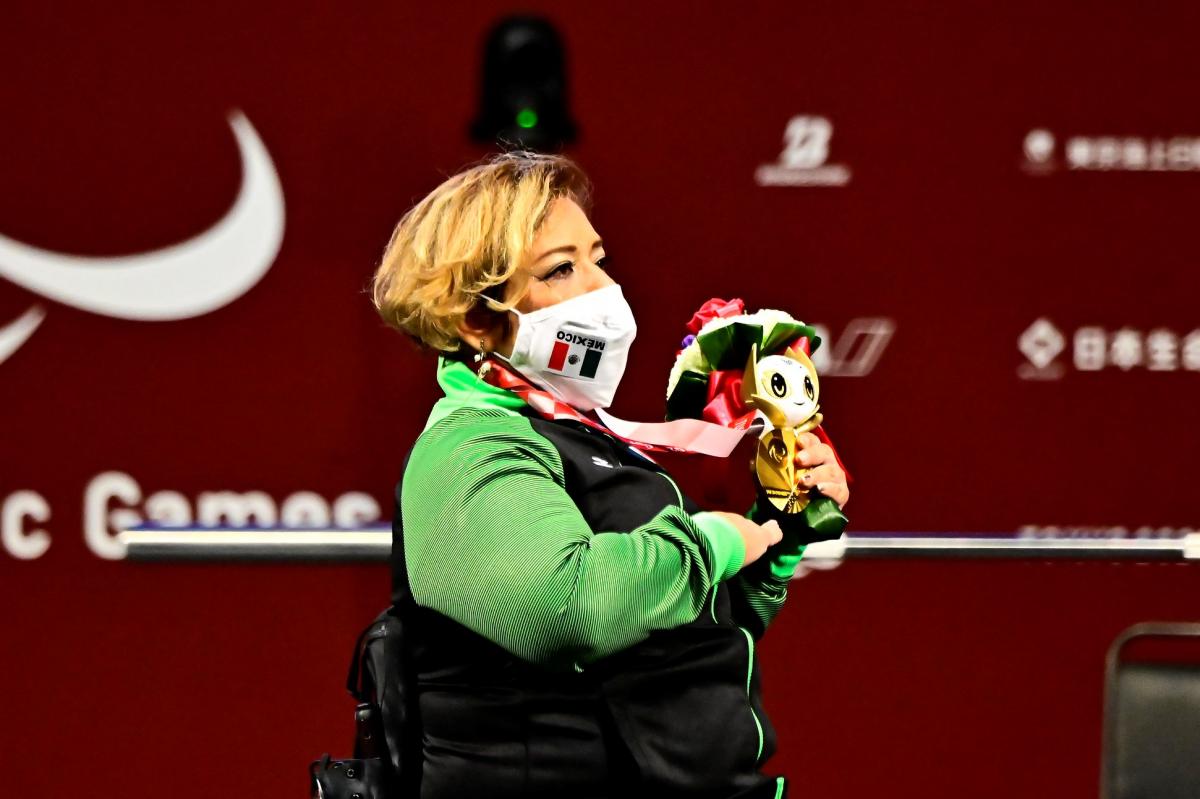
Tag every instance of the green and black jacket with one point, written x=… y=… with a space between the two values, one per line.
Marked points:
x=584 y=630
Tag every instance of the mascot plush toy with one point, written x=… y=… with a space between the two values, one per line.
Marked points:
x=754 y=372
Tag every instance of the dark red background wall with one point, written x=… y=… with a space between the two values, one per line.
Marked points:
x=904 y=678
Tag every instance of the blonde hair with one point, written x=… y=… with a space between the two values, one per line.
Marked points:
x=468 y=235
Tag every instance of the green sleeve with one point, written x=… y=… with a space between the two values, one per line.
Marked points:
x=493 y=540
x=764 y=584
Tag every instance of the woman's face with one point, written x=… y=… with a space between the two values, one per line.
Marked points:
x=567 y=259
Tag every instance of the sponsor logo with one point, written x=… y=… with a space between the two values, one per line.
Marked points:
x=1043 y=154
x=1041 y=343
x=18 y=331
x=803 y=160
x=596 y=459
x=191 y=278
x=576 y=355
x=115 y=501
x=1093 y=349
x=856 y=351
x=1052 y=531
x=1039 y=151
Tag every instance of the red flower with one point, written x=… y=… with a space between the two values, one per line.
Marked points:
x=725 y=406
x=715 y=309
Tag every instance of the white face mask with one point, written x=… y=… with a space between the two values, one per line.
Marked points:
x=577 y=349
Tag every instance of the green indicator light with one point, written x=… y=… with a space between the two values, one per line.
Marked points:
x=527 y=117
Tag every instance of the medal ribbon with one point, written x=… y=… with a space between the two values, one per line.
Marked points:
x=550 y=407
x=822 y=514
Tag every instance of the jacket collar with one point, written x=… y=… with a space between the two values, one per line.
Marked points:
x=464 y=389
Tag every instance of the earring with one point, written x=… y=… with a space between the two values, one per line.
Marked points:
x=483 y=351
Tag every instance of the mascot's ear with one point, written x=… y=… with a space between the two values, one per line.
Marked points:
x=796 y=354
x=750 y=385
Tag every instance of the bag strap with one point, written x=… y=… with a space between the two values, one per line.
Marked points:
x=381 y=677
x=402 y=604
x=356 y=676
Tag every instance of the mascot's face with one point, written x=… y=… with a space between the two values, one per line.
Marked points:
x=790 y=383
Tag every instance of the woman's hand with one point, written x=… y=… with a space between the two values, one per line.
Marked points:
x=756 y=537
x=816 y=467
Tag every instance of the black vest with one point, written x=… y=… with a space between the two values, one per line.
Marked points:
x=669 y=717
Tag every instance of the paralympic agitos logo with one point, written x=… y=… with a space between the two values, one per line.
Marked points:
x=191 y=278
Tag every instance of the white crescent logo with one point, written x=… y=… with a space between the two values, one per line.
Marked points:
x=188 y=279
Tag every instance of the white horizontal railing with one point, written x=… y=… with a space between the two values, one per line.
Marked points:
x=375 y=544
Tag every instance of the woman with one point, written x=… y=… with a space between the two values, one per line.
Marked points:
x=584 y=630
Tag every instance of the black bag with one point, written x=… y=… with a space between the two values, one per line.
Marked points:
x=386 y=762
x=387 y=740
x=349 y=779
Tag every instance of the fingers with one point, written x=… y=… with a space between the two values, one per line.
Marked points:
x=829 y=479
x=820 y=469
x=808 y=441
x=756 y=538
x=759 y=538
x=825 y=473
x=838 y=492
x=811 y=451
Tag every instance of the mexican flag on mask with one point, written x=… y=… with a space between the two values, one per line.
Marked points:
x=576 y=353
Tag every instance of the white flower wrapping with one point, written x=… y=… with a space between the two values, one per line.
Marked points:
x=692 y=359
